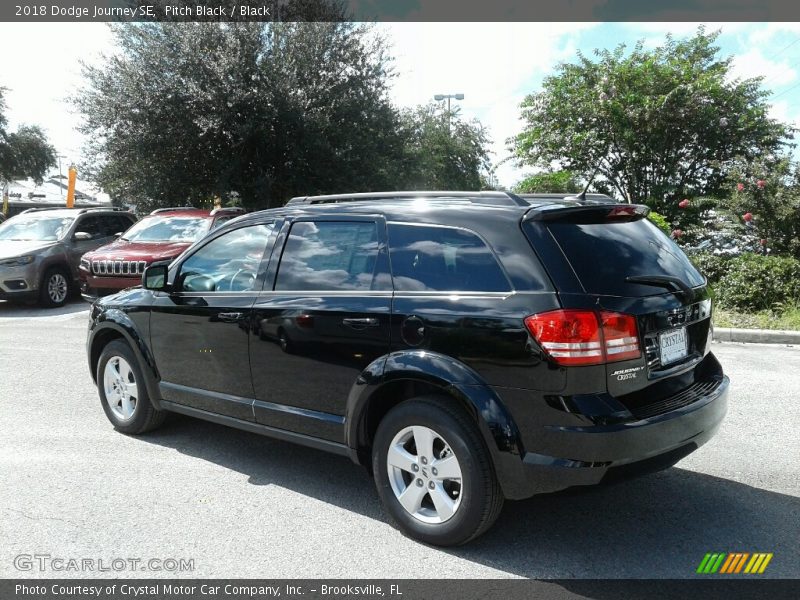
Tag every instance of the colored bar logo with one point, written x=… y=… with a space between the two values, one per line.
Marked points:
x=734 y=562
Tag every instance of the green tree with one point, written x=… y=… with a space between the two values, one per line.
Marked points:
x=769 y=189
x=24 y=152
x=442 y=151
x=658 y=124
x=183 y=112
x=554 y=182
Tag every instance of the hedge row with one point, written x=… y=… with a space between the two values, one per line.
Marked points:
x=752 y=281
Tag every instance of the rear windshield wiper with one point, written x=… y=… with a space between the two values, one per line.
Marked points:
x=674 y=283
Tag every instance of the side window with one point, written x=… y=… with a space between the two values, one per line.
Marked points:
x=117 y=224
x=229 y=263
x=329 y=255
x=92 y=225
x=430 y=258
x=221 y=220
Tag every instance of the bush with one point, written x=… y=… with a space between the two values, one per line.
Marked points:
x=712 y=266
x=758 y=282
x=660 y=221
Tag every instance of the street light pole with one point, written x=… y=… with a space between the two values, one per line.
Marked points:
x=440 y=97
x=60 y=177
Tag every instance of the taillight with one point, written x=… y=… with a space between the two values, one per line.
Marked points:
x=621 y=336
x=585 y=337
x=571 y=337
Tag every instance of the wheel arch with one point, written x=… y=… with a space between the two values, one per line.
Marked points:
x=119 y=326
x=402 y=376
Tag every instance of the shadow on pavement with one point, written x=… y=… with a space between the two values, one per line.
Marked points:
x=20 y=310
x=657 y=526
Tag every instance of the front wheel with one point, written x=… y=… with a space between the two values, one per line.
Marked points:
x=434 y=473
x=123 y=392
x=55 y=287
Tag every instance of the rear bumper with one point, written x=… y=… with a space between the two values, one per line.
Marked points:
x=588 y=455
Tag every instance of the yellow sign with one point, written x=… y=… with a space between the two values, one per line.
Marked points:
x=73 y=175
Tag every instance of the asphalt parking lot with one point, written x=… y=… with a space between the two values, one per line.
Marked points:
x=241 y=505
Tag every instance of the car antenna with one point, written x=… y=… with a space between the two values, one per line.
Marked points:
x=582 y=196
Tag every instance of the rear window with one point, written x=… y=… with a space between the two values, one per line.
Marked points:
x=604 y=254
x=431 y=258
x=168 y=229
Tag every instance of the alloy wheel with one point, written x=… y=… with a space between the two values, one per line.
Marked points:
x=424 y=474
x=57 y=288
x=119 y=384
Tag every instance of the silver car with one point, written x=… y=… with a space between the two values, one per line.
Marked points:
x=41 y=248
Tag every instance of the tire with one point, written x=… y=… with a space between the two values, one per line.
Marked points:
x=449 y=511
x=123 y=394
x=55 y=287
x=284 y=342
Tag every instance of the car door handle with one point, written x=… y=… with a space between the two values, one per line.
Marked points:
x=230 y=317
x=360 y=322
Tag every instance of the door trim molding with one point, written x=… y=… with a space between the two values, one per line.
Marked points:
x=266 y=430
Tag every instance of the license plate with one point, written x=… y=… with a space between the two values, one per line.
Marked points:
x=673 y=345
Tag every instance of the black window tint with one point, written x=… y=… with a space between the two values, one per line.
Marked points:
x=92 y=225
x=441 y=258
x=117 y=224
x=229 y=263
x=604 y=254
x=329 y=255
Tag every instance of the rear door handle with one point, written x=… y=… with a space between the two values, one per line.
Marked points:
x=230 y=317
x=360 y=322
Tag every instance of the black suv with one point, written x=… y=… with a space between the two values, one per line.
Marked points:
x=465 y=347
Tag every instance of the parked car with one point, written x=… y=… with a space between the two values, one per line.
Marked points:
x=465 y=347
x=160 y=236
x=40 y=249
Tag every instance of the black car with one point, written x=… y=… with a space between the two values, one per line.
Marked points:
x=465 y=347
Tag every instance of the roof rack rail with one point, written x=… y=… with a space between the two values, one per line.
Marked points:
x=79 y=209
x=493 y=197
x=170 y=209
x=111 y=208
x=228 y=209
x=40 y=209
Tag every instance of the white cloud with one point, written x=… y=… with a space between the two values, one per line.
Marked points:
x=785 y=111
x=753 y=63
x=765 y=34
x=41 y=69
x=492 y=64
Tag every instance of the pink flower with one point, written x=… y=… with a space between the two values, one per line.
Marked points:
x=740 y=187
x=684 y=203
x=761 y=183
x=763 y=242
x=676 y=233
x=748 y=217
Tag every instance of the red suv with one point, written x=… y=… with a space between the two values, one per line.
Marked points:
x=161 y=236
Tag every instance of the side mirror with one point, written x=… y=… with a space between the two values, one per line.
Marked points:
x=155 y=278
x=118 y=234
x=82 y=236
x=198 y=283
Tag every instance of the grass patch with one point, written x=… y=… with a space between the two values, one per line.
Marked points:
x=762 y=319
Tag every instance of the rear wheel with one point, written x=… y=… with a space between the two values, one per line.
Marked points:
x=55 y=287
x=433 y=472
x=123 y=393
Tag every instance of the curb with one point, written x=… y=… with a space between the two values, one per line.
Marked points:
x=756 y=336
